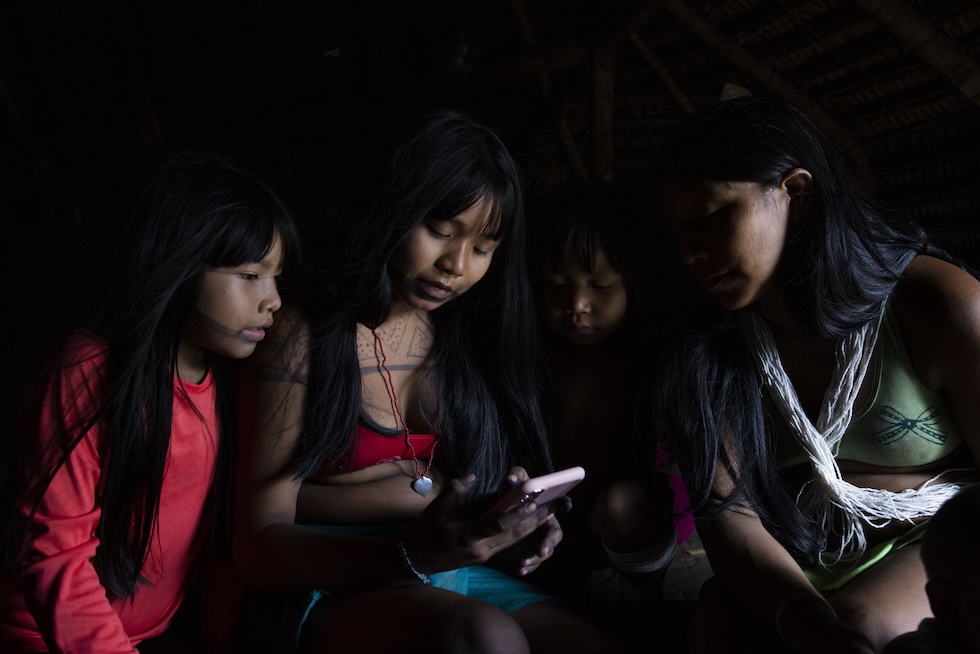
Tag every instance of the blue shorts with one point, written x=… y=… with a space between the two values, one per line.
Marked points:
x=272 y=622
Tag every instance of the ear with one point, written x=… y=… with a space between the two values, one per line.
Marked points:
x=797 y=182
x=944 y=601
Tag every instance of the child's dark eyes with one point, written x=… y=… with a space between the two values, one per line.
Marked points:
x=249 y=277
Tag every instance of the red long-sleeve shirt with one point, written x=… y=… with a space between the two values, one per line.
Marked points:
x=59 y=603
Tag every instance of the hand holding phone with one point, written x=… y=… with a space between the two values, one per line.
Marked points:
x=540 y=490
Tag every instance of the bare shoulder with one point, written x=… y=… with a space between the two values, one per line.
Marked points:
x=938 y=308
x=938 y=276
x=938 y=293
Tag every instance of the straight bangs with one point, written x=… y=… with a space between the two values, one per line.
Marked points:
x=506 y=215
x=580 y=242
x=443 y=169
x=247 y=232
x=498 y=222
x=570 y=243
x=486 y=177
x=580 y=221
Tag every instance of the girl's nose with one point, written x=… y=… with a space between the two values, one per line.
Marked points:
x=272 y=301
x=690 y=249
x=453 y=260
x=580 y=303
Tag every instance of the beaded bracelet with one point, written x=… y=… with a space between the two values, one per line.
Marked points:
x=424 y=578
x=796 y=599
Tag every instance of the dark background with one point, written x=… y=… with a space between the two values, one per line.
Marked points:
x=97 y=94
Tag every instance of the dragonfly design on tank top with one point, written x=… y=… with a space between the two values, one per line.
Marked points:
x=926 y=426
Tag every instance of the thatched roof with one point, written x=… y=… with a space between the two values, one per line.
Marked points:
x=895 y=83
x=93 y=95
x=305 y=91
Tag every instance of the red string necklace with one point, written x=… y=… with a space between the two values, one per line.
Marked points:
x=423 y=484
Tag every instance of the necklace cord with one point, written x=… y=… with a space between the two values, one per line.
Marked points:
x=398 y=412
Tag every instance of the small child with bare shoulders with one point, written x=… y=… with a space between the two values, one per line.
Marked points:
x=589 y=258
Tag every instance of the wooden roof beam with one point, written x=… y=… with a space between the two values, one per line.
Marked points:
x=770 y=79
x=567 y=56
x=633 y=23
x=934 y=47
x=560 y=58
x=529 y=40
x=663 y=73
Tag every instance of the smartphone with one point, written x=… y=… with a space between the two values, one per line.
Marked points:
x=540 y=490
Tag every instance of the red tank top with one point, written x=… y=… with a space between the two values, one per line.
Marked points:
x=370 y=447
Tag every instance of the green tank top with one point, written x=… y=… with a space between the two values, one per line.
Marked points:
x=903 y=423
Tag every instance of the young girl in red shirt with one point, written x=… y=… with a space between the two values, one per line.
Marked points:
x=122 y=440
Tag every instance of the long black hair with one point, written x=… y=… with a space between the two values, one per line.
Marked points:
x=489 y=414
x=836 y=273
x=197 y=212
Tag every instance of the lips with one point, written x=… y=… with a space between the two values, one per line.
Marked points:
x=709 y=280
x=436 y=289
x=256 y=333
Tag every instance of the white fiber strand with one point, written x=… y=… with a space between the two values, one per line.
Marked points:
x=839 y=508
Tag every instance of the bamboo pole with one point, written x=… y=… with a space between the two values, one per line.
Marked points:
x=572 y=150
x=529 y=40
x=603 y=102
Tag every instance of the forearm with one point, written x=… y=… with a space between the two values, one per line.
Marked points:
x=61 y=586
x=764 y=576
x=364 y=475
x=759 y=570
x=380 y=494
x=71 y=610
x=389 y=500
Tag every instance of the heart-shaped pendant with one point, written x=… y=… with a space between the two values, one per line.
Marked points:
x=422 y=485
